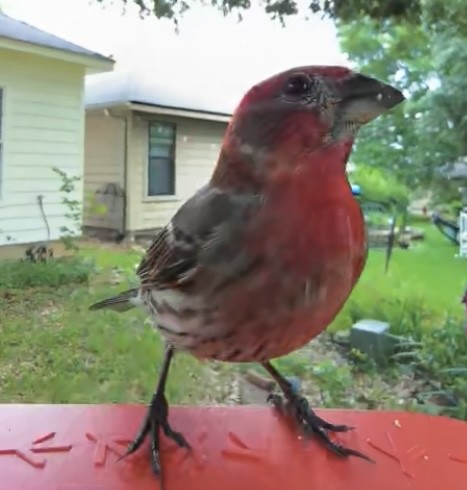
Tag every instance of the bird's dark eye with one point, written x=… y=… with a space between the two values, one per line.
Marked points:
x=298 y=84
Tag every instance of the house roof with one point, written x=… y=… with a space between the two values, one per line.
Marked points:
x=456 y=170
x=119 y=88
x=19 y=31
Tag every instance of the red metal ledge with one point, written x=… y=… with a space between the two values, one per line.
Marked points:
x=75 y=447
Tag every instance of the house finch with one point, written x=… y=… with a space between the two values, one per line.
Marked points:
x=261 y=259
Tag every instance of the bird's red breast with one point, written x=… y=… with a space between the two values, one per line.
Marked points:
x=310 y=235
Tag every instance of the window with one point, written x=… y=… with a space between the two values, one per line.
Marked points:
x=1 y=141
x=161 y=159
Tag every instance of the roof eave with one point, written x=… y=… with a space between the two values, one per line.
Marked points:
x=161 y=110
x=93 y=63
x=114 y=106
x=179 y=112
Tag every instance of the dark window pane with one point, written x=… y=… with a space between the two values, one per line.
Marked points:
x=160 y=177
x=159 y=140
x=160 y=151
x=161 y=159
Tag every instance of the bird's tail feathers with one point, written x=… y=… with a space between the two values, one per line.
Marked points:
x=122 y=302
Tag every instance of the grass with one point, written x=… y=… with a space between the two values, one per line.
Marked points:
x=428 y=278
x=54 y=350
x=21 y=275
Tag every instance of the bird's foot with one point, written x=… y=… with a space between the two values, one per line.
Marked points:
x=156 y=418
x=311 y=424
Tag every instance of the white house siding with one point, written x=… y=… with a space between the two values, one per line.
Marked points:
x=43 y=127
x=104 y=164
x=198 y=144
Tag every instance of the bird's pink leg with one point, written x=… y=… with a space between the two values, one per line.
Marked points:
x=309 y=422
x=157 y=418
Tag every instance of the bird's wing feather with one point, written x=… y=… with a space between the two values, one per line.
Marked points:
x=204 y=233
x=121 y=302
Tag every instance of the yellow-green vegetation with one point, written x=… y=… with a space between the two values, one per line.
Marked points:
x=54 y=350
x=422 y=286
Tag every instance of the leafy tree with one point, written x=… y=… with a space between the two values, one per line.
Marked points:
x=450 y=101
x=429 y=46
x=429 y=62
x=445 y=128
x=399 y=54
x=440 y=15
x=410 y=10
x=434 y=13
x=378 y=186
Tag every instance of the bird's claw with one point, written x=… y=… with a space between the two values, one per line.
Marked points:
x=311 y=424
x=156 y=418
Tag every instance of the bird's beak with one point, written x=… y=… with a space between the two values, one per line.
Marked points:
x=364 y=98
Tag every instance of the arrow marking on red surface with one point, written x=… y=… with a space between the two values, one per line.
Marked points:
x=106 y=444
x=240 y=450
x=24 y=451
x=415 y=452
x=457 y=459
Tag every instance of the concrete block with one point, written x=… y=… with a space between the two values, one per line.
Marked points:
x=371 y=337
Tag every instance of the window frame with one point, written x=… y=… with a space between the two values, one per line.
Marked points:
x=173 y=159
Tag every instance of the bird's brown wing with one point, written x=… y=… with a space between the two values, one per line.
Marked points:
x=206 y=232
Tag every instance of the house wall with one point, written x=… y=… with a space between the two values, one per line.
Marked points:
x=198 y=144
x=103 y=165
x=43 y=127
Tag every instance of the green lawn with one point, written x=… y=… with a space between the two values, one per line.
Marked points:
x=54 y=350
x=426 y=277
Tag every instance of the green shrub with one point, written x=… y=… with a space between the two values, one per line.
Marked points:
x=333 y=381
x=21 y=274
x=440 y=352
x=443 y=358
x=407 y=313
x=71 y=231
x=380 y=186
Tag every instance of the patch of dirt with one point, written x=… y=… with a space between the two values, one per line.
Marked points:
x=347 y=387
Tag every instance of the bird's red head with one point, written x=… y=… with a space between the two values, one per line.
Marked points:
x=299 y=112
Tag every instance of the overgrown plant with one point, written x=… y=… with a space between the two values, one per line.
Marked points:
x=75 y=208
x=443 y=358
x=22 y=274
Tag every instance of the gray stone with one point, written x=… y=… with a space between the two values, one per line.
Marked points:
x=371 y=337
x=342 y=337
